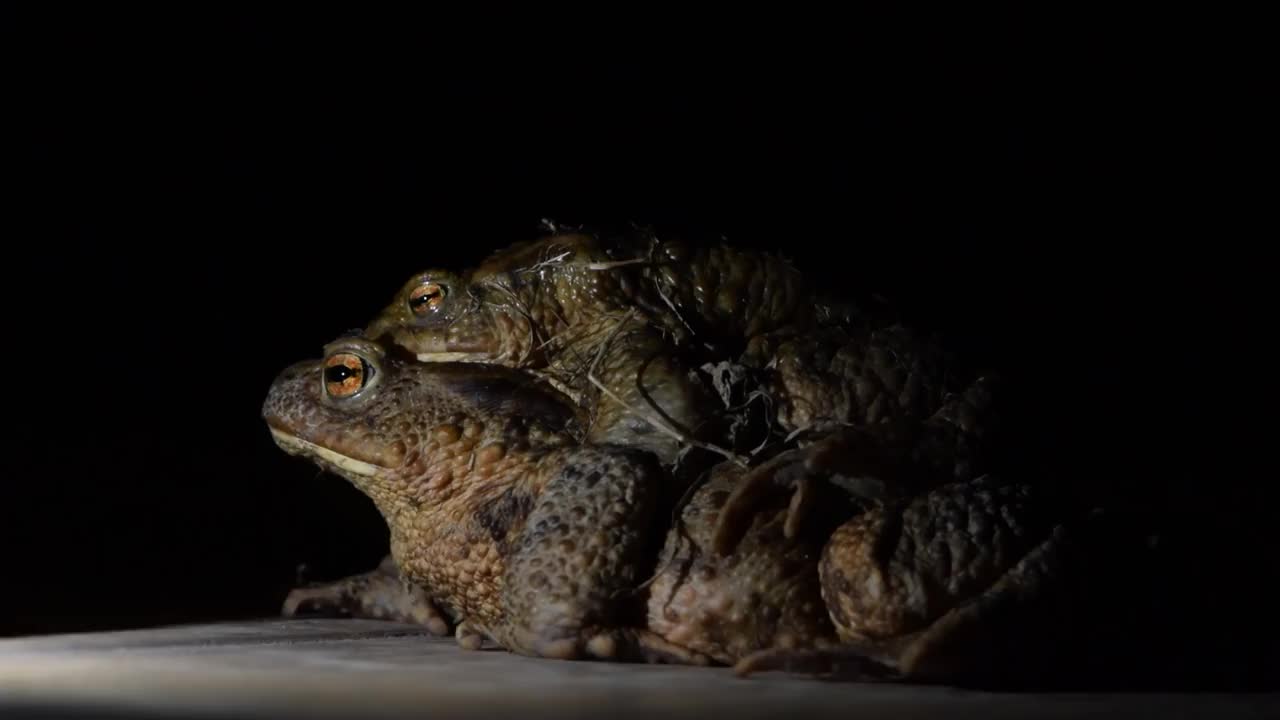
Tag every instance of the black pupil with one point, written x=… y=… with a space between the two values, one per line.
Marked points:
x=338 y=373
x=424 y=298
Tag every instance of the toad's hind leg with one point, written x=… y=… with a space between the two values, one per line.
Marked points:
x=569 y=579
x=380 y=594
x=1062 y=617
x=871 y=464
x=1008 y=634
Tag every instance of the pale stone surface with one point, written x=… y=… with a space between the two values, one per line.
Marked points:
x=367 y=669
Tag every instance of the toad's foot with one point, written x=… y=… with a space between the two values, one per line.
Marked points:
x=846 y=458
x=379 y=594
x=469 y=637
x=633 y=645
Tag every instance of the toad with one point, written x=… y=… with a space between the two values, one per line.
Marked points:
x=523 y=535
x=629 y=317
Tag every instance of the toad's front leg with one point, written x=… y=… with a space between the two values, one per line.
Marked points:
x=381 y=594
x=569 y=583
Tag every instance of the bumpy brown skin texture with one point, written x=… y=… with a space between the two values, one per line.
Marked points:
x=888 y=573
x=863 y=376
x=632 y=306
x=953 y=586
x=913 y=589
x=519 y=533
x=510 y=528
x=536 y=545
x=766 y=594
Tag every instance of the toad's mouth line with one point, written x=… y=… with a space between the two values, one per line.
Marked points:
x=293 y=443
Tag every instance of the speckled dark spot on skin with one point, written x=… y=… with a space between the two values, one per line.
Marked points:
x=499 y=515
x=591 y=480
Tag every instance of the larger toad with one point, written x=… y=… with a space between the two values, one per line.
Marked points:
x=550 y=547
x=512 y=529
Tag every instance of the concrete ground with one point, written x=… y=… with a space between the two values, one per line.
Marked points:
x=326 y=668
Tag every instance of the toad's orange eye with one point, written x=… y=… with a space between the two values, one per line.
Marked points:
x=426 y=298
x=344 y=375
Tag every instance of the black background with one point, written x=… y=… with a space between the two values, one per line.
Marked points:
x=198 y=201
